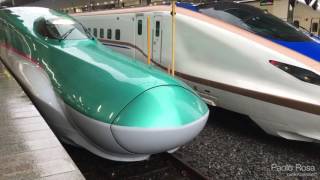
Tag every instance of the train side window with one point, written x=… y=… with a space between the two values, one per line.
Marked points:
x=157 y=28
x=117 y=34
x=109 y=34
x=95 y=32
x=101 y=33
x=314 y=27
x=139 y=27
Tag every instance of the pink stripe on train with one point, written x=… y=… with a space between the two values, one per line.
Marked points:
x=22 y=54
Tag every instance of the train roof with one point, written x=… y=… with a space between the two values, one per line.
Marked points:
x=125 y=10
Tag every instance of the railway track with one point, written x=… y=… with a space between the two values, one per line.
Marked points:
x=185 y=169
x=159 y=167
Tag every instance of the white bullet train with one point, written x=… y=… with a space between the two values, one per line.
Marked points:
x=236 y=56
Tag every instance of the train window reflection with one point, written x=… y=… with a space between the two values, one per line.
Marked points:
x=296 y=23
x=314 y=27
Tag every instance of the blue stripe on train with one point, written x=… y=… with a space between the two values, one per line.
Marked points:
x=308 y=48
x=190 y=6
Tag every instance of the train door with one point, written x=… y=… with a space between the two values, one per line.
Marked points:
x=140 y=37
x=315 y=26
x=157 y=39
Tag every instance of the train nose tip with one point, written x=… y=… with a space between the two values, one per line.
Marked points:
x=160 y=119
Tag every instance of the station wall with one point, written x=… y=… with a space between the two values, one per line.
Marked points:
x=279 y=8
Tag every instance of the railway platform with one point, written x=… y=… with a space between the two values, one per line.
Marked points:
x=28 y=147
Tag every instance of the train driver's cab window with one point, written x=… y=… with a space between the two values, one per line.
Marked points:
x=101 y=33
x=256 y=21
x=117 y=34
x=61 y=29
x=139 y=27
x=95 y=32
x=157 y=28
x=89 y=29
x=109 y=34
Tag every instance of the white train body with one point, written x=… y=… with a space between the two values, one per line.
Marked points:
x=228 y=66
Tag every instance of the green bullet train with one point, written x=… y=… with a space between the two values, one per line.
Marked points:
x=114 y=106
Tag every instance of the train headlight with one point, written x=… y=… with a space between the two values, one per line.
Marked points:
x=299 y=73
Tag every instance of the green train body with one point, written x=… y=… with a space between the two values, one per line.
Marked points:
x=112 y=105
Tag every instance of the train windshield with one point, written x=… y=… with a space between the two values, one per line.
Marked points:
x=62 y=29
x=256 y=21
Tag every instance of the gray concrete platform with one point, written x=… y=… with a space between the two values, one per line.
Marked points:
x=28 y=147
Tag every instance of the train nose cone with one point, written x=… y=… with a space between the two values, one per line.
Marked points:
x=159 y=120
